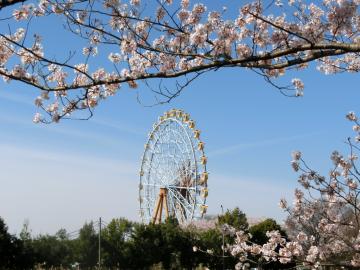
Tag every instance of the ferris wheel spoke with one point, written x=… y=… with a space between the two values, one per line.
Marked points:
x=148 y=200
x=153 y=185
x=179 y=187
x=175 y=210
x=181 y=200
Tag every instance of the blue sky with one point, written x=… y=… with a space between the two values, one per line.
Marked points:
x=61 y=175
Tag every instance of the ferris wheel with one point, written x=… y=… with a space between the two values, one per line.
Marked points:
x=173 y=176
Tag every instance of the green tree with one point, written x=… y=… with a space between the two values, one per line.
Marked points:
x=258 y=231
x=164 y=244
x=86 y=246
x=114 y=243
x=28 y=257
x=7 y=256
x=13 y=255
x=210 y=253
x=53 y=250
x=235 y=218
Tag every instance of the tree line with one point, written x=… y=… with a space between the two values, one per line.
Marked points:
x=131 y=245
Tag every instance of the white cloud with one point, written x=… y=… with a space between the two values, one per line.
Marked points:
x=273 y=141
x=16 y=98
x=63 y=189
x=126 y=128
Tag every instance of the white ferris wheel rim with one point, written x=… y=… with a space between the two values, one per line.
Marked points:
x=175 y=131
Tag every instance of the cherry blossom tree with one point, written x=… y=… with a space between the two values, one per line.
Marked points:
x=154 y=41
x=324 y=220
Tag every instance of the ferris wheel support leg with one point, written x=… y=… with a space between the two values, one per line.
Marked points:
x=166 y=205
x=156 y=209
x=160 y=204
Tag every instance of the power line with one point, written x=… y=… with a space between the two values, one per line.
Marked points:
x=106 y=223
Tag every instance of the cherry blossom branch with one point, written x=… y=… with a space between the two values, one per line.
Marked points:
x=174 y=43
x=7 y=3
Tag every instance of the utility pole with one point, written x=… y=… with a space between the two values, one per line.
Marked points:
x=99 y=243
x=223 y=240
